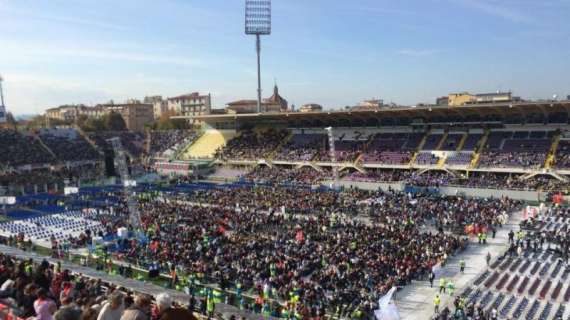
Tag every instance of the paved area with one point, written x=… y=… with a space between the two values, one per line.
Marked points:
x=415 y=301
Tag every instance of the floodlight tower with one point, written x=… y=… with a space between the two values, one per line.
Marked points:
x=2 y=106
x=258 y=22
x=332 y=154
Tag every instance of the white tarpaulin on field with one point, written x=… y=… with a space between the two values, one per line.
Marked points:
x=387 y=310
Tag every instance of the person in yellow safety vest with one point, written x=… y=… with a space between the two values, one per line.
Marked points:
x=442 y=285
x=356 y=314
x=462 y=266
x=210 y=305
x=450 y=287
x=480 y=237
x=436 y=303
x=484 y=237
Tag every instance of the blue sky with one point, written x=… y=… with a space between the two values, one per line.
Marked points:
x=331 y=52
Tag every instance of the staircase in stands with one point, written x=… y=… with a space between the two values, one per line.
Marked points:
x=479 y=149
x=550 y=159
x=420 y=146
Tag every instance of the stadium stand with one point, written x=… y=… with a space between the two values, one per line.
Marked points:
x=207 y=144
x=19 y=149
x=68 y=145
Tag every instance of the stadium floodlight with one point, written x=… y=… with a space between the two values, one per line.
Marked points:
x=258 y=22
x=2 y=106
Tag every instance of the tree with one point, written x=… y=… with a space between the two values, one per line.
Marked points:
x=115 y=122
x=11 y=121
x=94 y=124
x=165 y=122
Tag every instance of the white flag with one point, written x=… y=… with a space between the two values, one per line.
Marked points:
x=387 y=310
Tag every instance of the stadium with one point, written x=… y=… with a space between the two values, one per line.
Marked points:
x=173 y=207
x=304 y=215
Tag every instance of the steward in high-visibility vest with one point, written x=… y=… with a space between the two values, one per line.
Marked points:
x=436 y=303
x=210 y=305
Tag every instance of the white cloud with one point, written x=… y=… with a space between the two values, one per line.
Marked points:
x=18 y=50
x=417 y=52
x=495 y=8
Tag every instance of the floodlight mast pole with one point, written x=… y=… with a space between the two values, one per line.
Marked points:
x=258 y=49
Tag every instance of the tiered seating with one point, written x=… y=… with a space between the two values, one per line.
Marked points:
x=345 y=151
x=426 y=158
x=459 y=158
x=206 y=145
x=562 y=160
x=69 y=148
x=452 y=141
x=392 y=148
x=432 y=141
x=18 y=149
x=133 y=142
x=162 y=140
x=471 y=141
x=518 y=149
x=252 y=145
x=302 y=147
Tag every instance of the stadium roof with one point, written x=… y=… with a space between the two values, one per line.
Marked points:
x=469 y=113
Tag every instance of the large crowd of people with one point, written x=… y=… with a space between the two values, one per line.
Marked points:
x=279 y=175
x=162 y=140
x=70 y=148
x=20 y=149
x=300 y=251
x=252 y=145
x=45 y=291
x=299 y=243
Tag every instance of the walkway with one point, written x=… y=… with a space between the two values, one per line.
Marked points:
x=415 y=301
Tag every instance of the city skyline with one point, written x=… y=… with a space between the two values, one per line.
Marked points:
x=327 y=52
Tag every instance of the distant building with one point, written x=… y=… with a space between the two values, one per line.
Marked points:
x=193 y=104
x=135 y=114
x=70 y=113
x=275 y=103
x=158 y=105
x=442 y=101
x=465 y=98
x=495 y=97
x=460 y=99
x=372 y=104
x=311 y=107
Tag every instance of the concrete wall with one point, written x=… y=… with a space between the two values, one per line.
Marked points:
x=469 y=192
